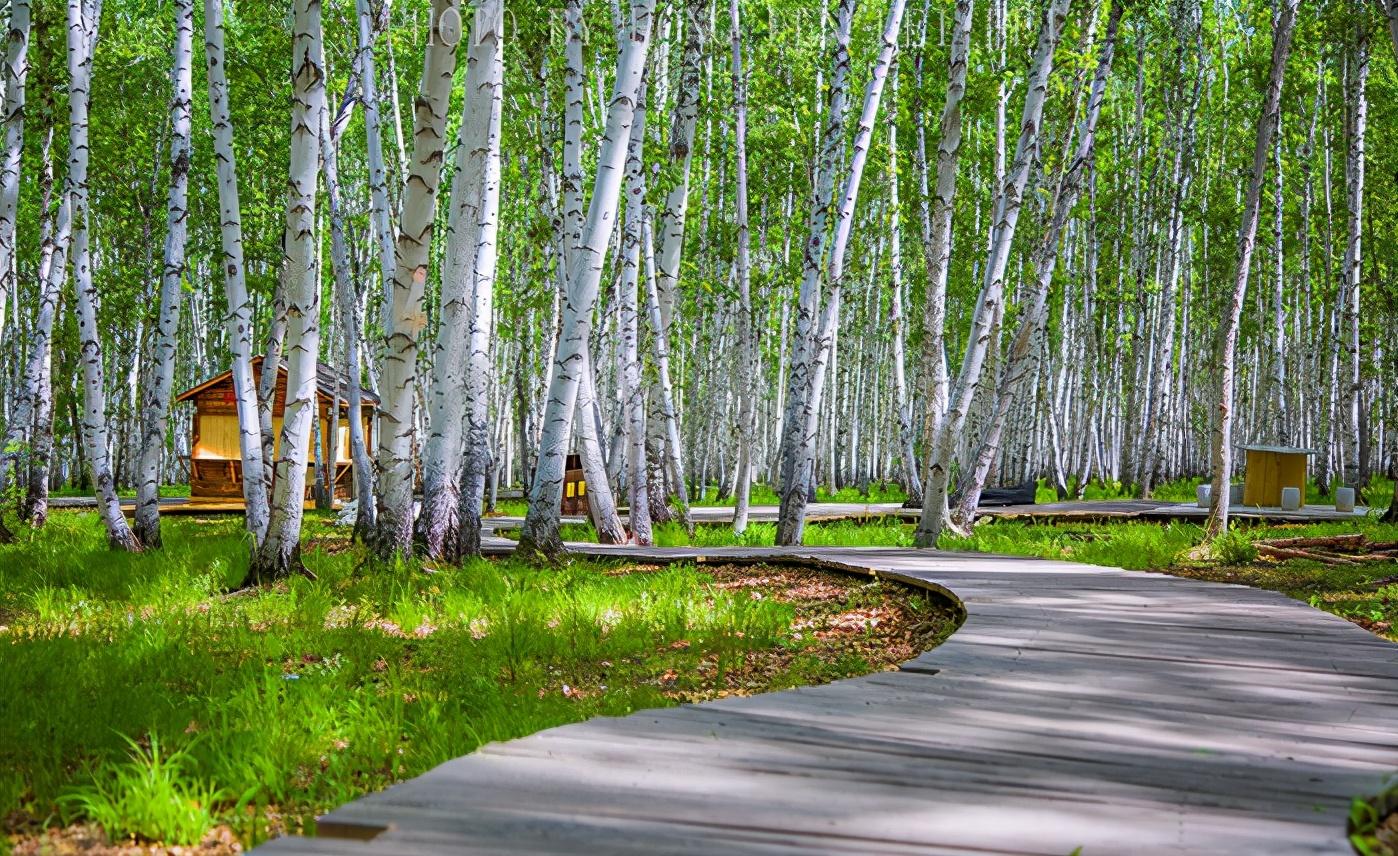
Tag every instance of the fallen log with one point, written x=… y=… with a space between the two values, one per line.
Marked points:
x=1356 y=540
x=1265 y=549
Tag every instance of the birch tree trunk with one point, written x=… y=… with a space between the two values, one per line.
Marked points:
x=660 y=341
x=238 y=321
x=53 y=263
x=378 y=172
x=82 y=36
x=1022 y=363
x=673 y=214
x=156 y=405
x=791 y=521
x=628 y=317
x=1222 y=450
x=912 y=478
x=438 y=528
x=1351 y=271
x=988 y=304
x=347 y=298
x=747 y=371
x=398 y=387
x=33 y=395
x=280 y=552
x=936 y=242
x=15 y=76
x=540 y=532
x=795 y=481
x=488 y=50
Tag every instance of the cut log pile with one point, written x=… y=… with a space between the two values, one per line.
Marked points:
x=1330 y=549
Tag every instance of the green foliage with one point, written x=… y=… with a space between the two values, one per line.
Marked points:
x=307 y=694
x=151 y=797
x=1365 y=816
x=1233 y=547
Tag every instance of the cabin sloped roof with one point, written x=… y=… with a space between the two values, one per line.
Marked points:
x=329 y=383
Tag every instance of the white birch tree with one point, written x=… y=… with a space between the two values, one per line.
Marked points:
x=746 y=373
x=800 y=440
x=488 y=50
x=16 y=75
x=161 y=372
x=1222 y=447
x=238 y=320
x=439 y=528
x=82 y=38
x=397 y=423
x=279 y=554
x=988 y=303
x=937 y=210
x=540 y=533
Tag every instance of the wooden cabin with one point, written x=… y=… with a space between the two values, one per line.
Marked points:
x=1271 y=468
x=216 y=461
x=574 y=487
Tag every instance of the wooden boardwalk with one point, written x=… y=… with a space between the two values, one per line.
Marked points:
x=1078 y=706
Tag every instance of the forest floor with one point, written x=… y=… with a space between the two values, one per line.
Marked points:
x=142 y=699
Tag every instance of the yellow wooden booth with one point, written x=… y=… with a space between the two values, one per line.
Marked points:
x=216 y=461
x=1271 y=468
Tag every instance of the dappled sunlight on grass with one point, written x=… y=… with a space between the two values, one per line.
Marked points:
x=306 y=694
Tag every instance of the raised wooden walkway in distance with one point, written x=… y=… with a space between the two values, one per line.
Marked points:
x=1078 y=706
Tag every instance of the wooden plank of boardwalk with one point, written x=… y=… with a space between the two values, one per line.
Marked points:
x=1078 y=706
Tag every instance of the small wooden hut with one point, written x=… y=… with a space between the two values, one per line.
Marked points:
x=574 y=487
x=216 y=462
x=1271 y=468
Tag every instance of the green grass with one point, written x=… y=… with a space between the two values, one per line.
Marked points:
x=136 y=693
x=171 y=491
x=764 y=494
x=1356 y=592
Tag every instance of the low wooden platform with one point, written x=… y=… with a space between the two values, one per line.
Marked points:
x=1077 y=707
x=175 y=505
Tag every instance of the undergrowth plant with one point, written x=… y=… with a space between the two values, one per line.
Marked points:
x=288 y=700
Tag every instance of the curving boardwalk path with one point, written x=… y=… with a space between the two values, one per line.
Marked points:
x=1078 y=706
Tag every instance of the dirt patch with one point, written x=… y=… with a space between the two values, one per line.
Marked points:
x=88 y=840
x=843 y=626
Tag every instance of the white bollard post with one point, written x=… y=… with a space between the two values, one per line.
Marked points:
x=1344 y=499
x=1291 y=499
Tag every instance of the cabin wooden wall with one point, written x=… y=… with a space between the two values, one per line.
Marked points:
x=215 y=465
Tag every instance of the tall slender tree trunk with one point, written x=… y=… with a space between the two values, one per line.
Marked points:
x=15 y=76
x=1351 y=272
x=397 y=424
x=82 y=37
x=33 y=394
x=378 y=172
x=540 y=532
x=799 y=444
x=347 y=298
x=936 y=242
x=53 y=265
x=1022 y=363
x=161 y=376
x=912 y=477
x=1222 y=450
x=747 y=371
x=438 y=528
x=488 y=50
x=238 y=321
x=638 y=485
x=280 y=552
x=988 y=304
